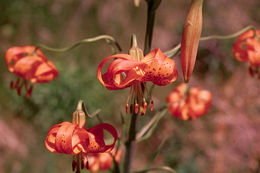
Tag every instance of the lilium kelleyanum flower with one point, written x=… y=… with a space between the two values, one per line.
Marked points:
x=103 y=161
x=31 y=66
x=73 y=138
x=188 y=103
x=134 y=70
x=247 y=48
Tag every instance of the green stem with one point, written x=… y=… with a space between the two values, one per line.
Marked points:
x=174 y=51
x=110 y=40
x=152 y=7
x=130 y=143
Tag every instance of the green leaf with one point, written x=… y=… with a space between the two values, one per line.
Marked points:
x=149 y=128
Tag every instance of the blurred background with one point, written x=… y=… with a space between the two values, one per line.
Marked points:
x=226 y=140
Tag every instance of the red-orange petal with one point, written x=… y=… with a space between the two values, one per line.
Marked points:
x=14 y=54
x=36 y=70
x=114 y=78
x=188 y=104
x=62 y=138
x=240 y=47
x=96 y=139
x=160 y=69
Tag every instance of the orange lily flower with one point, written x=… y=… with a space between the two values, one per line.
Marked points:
x=247 y=48
x=188 y=103
x=69 y=138
x=103 y=161
x=73 y=138
x=134 y=70
x=31 y=65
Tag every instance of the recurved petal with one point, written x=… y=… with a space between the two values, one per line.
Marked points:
x=50 y=141
x=27 y=66
x=14 y=54
x=66 y=138
x=96 y=138
x=254 y=51
x=160 y=69
x=45 y=72
x=243 y=45
x=121 y=72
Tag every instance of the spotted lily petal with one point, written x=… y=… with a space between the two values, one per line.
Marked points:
x=69 y=138
x=240 y=47
x=35 y=69
x=14 y=54
x=96 y=139
x=114 y=78
x=66 y=138
x=185 y=103
x=247 y=48
x=160 y=69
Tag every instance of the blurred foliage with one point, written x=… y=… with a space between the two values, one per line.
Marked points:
x=194 y=146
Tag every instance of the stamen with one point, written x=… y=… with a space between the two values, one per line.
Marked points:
x=17 y=83
x=151 y=105
x=145 y=88
x=84 y=161
x=144 y=108
x=74 y=164
x=258 y=72
x=127 y=108
x=29 y=91
x=12 y=85
x=251 y=71
x=131 y=108
x=136 y=108
x=82 y=164
x=130 y=94
x=19 y=90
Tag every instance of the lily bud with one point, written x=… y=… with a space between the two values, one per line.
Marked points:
x=137 y=2
x=190 y=38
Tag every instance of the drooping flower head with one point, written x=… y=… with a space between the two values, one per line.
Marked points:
x=188 y=103
x=133 y=70
x=73 y=138
x=103 y=161
x=31 y=66
x=247 y=48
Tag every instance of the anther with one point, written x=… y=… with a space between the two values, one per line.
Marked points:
x=19 y=90
x=12 y=85
x=74 y=164
x=151 y=105
x=136 y=108
x=144 y=108
x=131 y=108
x=127 y=108
x=29 y=91
x=82 y=163
x=17 y=83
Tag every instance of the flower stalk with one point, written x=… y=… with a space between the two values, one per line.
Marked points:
x=130 y=143
x=172 y=52
x=152 y=7
x=115 y=47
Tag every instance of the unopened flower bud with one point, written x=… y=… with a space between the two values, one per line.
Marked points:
x=190 y=38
